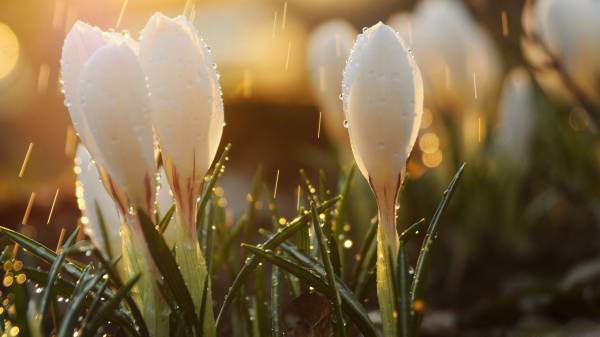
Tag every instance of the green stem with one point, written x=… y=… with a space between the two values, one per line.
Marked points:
x=137 y=259
x=387 y=248
x=193 y=269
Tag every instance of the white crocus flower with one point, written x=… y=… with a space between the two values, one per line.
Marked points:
x=188 y=118
x=517 y=109
x=383 y=102
x=570 y=30
x=107 y=96
x=328 y=49
x=95 y=204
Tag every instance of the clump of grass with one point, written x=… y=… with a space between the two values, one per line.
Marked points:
x=76 y=291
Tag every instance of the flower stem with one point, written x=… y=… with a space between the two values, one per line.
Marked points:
x=193 y=269
x=387 y=249
x=137 y=260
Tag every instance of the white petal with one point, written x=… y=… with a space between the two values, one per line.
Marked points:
x=90 y=192
x=114 y=101
x=383 y=100
x=186 y=97
x=328 y=49
x=80 y=44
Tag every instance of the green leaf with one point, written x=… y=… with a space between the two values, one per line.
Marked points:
x=418 y=285
x=115 y=280
x=411 y=231
x=350 y=305
x=216 y=174
x=105 y=312
x=251 y=262
x=165 y=262
x=164 y=222
x=402 y=280
x=364 y=259
x=324 y=248
x=40 y=250
x=48 y=294
x=76 y=304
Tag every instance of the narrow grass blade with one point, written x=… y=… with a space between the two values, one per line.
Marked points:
x=350 y=305
x=323 y=247
x=402 y=279
x=418 y=285
x=165 y=262
x=40 y=250
x=216 y=174
x=76 y=304
x=115 y=280
x=411 y=231
x=166 y=219
x=48 y=293
x=251 y=262
x=362 y=255
x=104 y=313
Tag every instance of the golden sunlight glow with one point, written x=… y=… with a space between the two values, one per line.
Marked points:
x=9 y=50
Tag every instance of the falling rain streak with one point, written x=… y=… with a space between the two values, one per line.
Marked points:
x=121 y=13
x=284 y=16
x=61 y=238
x=28 y=209
x=59 y=13
x=276 y=184
x=52 y=207
x=319 y=126
x=26 y=160
x=274 y=25
x=475 y=85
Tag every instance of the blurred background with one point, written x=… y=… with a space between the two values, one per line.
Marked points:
x=517 y=230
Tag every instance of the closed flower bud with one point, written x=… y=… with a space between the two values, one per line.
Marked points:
x=188 y=117
x=383 y=103
x=113 y=101
x=516 y=109
x=328 y=49
x=96 y=204
x=187 y=108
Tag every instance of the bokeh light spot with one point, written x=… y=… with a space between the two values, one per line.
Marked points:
x=9 y=50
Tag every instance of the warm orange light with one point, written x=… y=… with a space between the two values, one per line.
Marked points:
x=9 y=50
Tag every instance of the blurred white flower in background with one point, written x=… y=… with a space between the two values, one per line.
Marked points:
x=570 y=32
x=328 y=49
x=516 y=118
x=460 y=63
